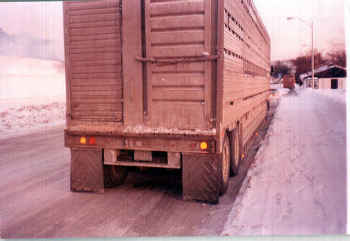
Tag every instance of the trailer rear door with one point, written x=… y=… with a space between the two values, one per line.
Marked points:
x=142 y=62
x=178 y=53
x=93 y=60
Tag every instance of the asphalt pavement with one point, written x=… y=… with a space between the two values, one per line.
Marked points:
x=36 y=201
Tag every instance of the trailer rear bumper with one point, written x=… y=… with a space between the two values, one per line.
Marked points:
x=200 y=167
x=141 y=142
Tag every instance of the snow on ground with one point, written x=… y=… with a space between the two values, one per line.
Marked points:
x=297 y=185
x=338 y=95
x=278 y=92
x=23 y=116
x=32 y=95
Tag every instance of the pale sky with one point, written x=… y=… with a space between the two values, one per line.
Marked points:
x=292 y=38
x=288 y=38
x=38 y=19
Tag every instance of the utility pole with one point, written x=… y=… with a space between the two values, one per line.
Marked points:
x=311 y=25
x=313 y=56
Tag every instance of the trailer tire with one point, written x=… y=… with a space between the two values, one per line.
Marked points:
x=225 y=165
x=114 y=175
x=235 y=152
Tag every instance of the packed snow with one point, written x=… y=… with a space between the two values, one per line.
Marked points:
x=337 y=95
x=297 y=184
x=32 y=95
x=277 y=92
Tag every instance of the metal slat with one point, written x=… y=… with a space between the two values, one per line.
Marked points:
x=95 y=60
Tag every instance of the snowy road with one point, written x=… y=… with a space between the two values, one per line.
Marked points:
x=35 y=200
x=298 y=183
x=296 y=186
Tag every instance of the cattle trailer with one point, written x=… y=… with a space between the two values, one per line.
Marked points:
x=177 y=84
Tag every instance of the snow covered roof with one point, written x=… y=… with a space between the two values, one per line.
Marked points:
x=328 y=67
x=324 y=71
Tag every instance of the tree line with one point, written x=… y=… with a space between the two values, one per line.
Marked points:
x=302 y=64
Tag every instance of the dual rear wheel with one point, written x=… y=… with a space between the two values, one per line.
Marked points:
x=225 y=165
x=235 y=152
x=230 y=159
x=114 y=175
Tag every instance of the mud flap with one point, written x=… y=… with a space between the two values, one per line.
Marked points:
x=201 y=177
x=87 y=170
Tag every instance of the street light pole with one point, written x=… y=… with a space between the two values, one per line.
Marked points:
x=313 y=56
x=312 y=46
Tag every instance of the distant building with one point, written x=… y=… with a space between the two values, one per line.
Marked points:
x=326 y=77
x=308 y=82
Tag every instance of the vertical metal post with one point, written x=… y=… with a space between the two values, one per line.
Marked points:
x=313 y=56
x=312 y=48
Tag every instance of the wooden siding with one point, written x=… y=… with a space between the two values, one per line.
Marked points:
x=178 y=93
x=93 y=57
x=246 y=67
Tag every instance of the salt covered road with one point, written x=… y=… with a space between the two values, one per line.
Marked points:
x=298 y=182
x=36 y=202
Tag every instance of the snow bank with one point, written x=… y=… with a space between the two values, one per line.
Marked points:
x=28 y=115
x=27 y=78
x=298 y=178
x=32 y=94
x=279 y=92
x=338 y=95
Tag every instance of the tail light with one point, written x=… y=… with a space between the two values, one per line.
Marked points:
x=92 y=141
x=204 y=146
x=83 y=140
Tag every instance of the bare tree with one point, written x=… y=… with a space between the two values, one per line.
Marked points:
x=337 y=57
x=280 y=69
x=303 y=63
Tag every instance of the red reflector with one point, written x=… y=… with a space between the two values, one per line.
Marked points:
x=92 y=141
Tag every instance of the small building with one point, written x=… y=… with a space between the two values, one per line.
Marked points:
x=327 y=77
x=308 y=82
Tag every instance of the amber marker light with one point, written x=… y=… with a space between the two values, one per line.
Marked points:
x=92 y=141
x=83 y=140
x=204 y=146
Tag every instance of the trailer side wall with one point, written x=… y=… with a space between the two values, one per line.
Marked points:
x=246 y=68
